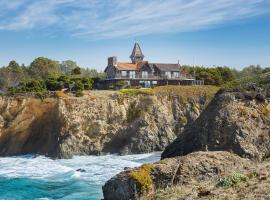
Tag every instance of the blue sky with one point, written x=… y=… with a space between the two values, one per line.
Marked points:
x=235 y=33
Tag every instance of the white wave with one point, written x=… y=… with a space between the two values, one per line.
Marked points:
x=93 y=169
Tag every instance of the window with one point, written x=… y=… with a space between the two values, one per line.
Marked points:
x=132 y=74
x=168 y=74
x=123 y=73
x=154 y=82
x=175 y=74
x=144 y=74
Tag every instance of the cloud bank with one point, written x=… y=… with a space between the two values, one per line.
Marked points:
x=104 y=19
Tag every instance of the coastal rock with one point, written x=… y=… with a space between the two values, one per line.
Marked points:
x=97 y=123
x=180 y=171
x=229 y=123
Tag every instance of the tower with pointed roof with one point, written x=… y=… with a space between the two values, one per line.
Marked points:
x=136 y=55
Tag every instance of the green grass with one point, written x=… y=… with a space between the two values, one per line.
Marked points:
x=183 y=92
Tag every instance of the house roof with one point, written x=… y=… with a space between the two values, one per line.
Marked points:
x=137 y=52
x=129 y=66
x=167 y=67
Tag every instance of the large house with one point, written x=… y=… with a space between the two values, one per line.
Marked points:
x=143 y=73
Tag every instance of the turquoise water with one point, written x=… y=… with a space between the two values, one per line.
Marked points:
x=30 y=177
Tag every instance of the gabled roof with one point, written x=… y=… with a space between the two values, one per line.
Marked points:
x=129 y=66
x=166 y=67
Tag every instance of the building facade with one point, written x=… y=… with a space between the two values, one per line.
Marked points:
x=143 y=73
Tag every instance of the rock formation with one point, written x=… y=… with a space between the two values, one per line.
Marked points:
x=181 y=171
x=100 y=122
x=235 y=121
x=224 y=154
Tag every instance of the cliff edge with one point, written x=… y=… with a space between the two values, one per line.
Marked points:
x=130 y=121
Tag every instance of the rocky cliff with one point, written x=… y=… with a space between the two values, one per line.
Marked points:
x=235 y=121
x=99 y=122
x=224 y=154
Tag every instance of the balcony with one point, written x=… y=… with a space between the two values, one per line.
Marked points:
x=152 y=77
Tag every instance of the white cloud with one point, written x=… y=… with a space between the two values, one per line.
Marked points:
x=99 y=19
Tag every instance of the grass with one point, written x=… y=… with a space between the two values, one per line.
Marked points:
x=184 y=92
x=133 y=92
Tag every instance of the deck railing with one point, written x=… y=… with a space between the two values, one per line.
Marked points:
x=153 y=77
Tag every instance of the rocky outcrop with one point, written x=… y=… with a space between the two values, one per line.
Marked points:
x=216 y=157
x=100 y=122
x=181 y=171
x=249 y=183
x=235 y=121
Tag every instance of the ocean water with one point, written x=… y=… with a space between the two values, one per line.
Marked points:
x=37 y=177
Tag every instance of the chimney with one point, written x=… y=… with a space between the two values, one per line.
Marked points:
x=112 y=61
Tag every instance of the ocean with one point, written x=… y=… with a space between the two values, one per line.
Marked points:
x=38 y=177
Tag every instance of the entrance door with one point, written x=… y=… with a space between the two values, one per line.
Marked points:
x=147 y=84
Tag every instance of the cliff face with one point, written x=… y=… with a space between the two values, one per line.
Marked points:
x=238 y=122
x=99 y=122
x=216 y=157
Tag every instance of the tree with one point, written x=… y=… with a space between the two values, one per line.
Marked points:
x=76 y=71
x=67 y=67
x=43 y=68
x=14 y=66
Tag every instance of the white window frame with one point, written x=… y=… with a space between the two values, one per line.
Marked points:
x=168 y=74
x=144 y=74
x=175 y=74
x=123 y=73
x=132 y=74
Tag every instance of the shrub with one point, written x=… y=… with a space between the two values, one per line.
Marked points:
x=132 y=92
x=232 y=180
x=60 y=94
x=183 y=120
x=87 y=83
x=54 y=85
x=142 y=176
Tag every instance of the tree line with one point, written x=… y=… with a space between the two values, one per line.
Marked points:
x=44 y=74
x=224 y=75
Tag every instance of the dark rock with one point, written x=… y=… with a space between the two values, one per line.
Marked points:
x=227 y=125
x=81 y=170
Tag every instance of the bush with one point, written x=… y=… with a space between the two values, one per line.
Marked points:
x=142 y=176
x=54 y=85
x=183 y=120
x=132 y=92
x=232 y=180
x=87 y=83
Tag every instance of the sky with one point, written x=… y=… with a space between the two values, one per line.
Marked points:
x=233 y=33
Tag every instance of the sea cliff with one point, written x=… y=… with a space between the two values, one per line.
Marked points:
x=130 y=121
x=224 y=154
